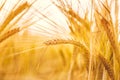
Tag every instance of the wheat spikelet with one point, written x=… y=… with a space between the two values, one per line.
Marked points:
x=107 y=66
x=8 y=34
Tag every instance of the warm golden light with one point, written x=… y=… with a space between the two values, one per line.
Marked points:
x=59 y=40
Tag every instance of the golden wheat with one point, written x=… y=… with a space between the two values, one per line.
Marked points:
x=62 y=41
x=75 y=61
x=13 y=14
x=107 y=66
x=112 y=38
x=9 y=34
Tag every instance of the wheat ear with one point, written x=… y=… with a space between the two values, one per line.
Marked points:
x=8 y=34
x=13 y=14
x=112 y=38
x=107 y=66
x=109 y=29
x=62 y=41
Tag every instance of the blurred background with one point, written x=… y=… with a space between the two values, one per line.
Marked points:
x=24 y=56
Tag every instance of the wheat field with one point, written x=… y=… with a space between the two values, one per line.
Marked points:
x=62 y=40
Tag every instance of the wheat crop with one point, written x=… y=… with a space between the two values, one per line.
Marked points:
x=64 y=40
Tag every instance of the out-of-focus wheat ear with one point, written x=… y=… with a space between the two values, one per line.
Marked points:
x=69 y=41
x=13 y=14
x=9 y=34
x=78 y=18
x=107 y=66
x=69 y=12
x=111 y=36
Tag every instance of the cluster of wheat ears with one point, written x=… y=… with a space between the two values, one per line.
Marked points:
x=90 y=53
